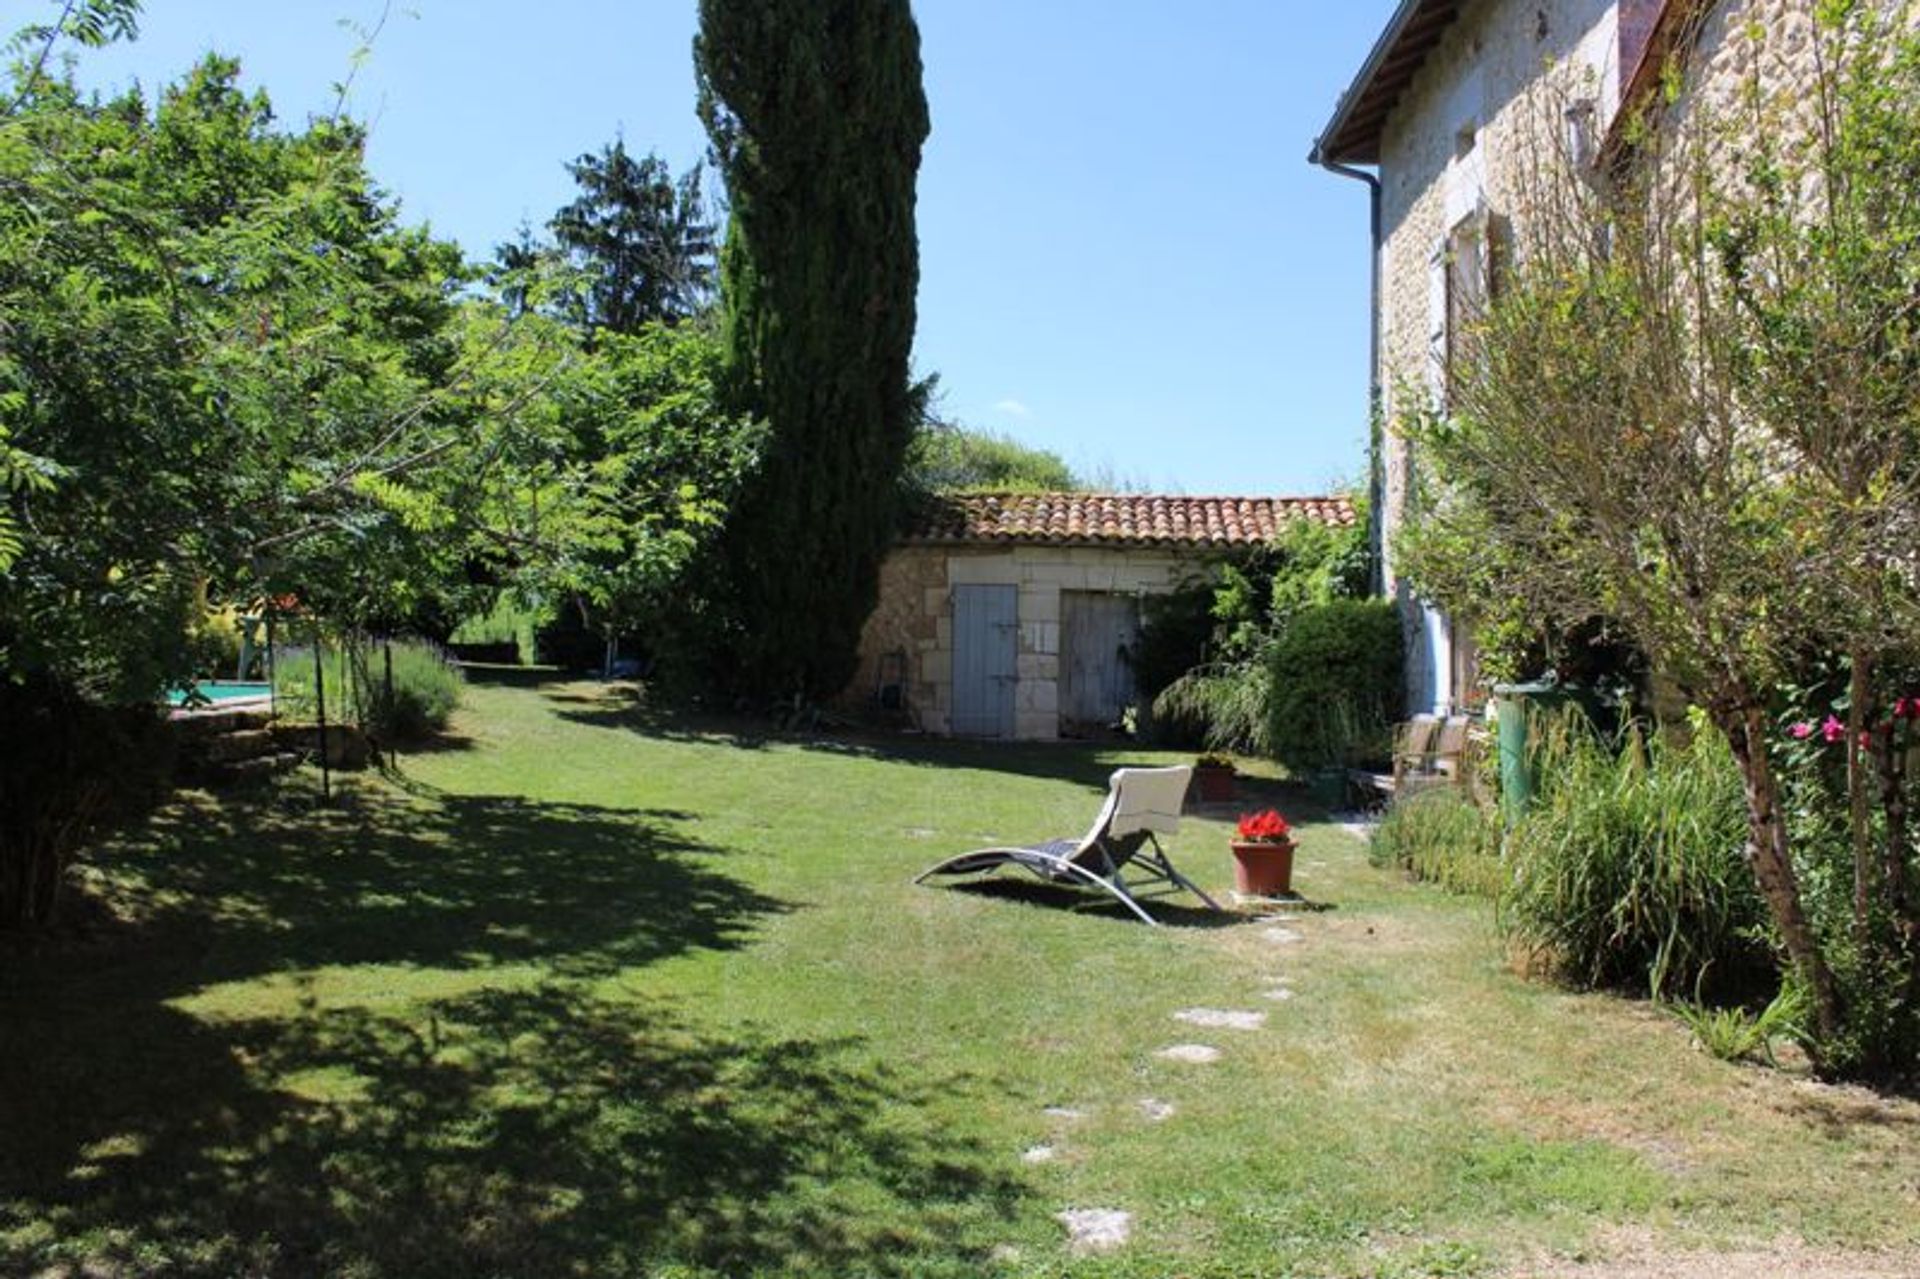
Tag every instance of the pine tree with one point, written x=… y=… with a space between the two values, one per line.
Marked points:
x=640 y=237
x=817 y=117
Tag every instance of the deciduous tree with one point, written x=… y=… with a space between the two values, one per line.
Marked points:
x=1691 y=411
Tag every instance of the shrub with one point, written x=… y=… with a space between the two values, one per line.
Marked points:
x=508 y=622
x=426 y=687
x=1222 y=707
x=1735 y=1034
x=68 y=767
x=1442 y=835
x=1175 y=634
x=1628 y=870
x=1336 y=684
x=214 y=641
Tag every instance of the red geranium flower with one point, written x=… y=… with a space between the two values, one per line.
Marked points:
x=1264 y=828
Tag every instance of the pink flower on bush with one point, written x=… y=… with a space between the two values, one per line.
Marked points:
x=1802 y=731
x=1833 y=730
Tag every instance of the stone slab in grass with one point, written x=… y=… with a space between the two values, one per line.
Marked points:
x=1156 y=1110
x=1221 y=1018
x=1282 y=936
x=1195 y=1054
x=1064 y=1112
x=1279 y=994
x=1091 y=1230
x=1037 y=1155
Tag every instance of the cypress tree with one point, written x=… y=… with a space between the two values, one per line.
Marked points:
x=817 y=117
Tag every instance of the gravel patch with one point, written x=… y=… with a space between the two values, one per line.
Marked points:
x=1091 y=1230
x=1221 y=1018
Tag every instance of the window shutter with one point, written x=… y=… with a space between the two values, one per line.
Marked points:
x=1499 y=254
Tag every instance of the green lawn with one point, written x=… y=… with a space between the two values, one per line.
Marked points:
x=593 y=993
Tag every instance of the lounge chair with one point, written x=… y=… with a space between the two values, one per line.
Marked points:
x=1140 y=802
x=1443 y=760
x=1412 y=740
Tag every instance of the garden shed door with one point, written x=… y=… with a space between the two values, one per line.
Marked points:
x=986 y=638
x=1098 y=633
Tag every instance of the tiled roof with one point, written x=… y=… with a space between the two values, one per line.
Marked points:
x=1127 y=519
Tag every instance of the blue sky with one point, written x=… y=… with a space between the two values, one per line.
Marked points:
x=1125 y=257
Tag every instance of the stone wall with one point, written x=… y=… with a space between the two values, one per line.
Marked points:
x=915 y=616
x=905 y=621
x=1485 y=78
x=1503 y=76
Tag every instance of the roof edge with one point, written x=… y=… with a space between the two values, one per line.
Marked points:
x=1325 y=151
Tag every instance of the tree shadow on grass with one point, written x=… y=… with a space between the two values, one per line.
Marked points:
x=457 y=881
x=532 y=1121
x=503 y=1132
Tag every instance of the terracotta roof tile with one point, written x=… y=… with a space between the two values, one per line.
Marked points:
x=1119 y=519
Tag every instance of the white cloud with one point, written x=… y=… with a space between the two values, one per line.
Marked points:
x=1013 y=408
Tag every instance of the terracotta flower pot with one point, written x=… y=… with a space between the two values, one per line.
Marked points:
x=1213 y=785
x=1263 y=869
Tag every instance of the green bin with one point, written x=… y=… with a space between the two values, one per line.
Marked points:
x=1515 y=707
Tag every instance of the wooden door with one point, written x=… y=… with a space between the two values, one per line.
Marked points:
x=986 y=638
x=1098 y=633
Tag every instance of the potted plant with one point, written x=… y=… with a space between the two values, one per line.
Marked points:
x=1263 y=855
x=1213 y=779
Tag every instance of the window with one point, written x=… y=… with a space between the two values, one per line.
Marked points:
x=1461 y=278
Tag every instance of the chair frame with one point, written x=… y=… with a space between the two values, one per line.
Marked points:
x=1064 y=859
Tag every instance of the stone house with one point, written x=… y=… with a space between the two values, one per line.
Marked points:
x=1012 y=615
x=1456 y=101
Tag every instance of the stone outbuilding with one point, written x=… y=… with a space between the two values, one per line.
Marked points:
x=1014 y=615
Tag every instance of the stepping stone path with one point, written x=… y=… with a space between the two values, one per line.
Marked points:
x=1098 y=1230
x=1221 y=1018
x=1092 y=1230
x=1356 y=824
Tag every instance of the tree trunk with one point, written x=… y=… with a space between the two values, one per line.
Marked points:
x=1769 y=855
x=1859 y=804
